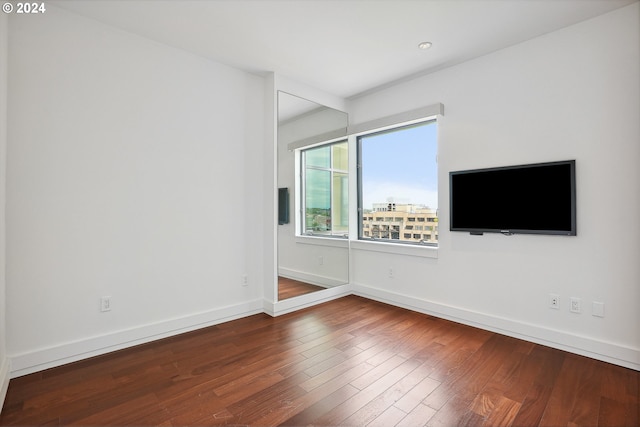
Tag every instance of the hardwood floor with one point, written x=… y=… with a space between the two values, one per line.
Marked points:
x=289 y=288
x=346 y=362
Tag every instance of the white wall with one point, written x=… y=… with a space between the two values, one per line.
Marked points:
x=4 y=360
x=571 y=94
x=132 y=170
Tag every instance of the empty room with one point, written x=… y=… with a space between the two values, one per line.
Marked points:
x=330 y=213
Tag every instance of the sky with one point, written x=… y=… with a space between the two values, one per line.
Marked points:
x=401 y=167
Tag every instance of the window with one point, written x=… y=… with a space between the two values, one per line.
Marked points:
x=396 y=186
x=325 y=187
x=397 y=173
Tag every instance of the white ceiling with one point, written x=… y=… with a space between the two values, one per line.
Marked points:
x=344 y=47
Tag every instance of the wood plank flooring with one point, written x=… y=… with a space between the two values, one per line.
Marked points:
x=348 y=362
x=289 y=288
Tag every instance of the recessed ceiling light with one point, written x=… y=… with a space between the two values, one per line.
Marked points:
x=425 y=45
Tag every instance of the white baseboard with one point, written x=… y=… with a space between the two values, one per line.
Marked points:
x=585 y=346
x=22 y=364
x=307 y=300
x=5 y=376
x=313 y=279
x=38 y=360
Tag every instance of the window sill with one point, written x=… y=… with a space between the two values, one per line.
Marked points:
x=335 y=242
x=372 y=246
x=396 y=248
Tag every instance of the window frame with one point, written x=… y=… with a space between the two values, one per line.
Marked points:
x=301 y=226
x=359 y=197
x=431 y=113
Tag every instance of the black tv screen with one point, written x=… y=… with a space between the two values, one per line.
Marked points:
x=531 y=199
x=283 y=206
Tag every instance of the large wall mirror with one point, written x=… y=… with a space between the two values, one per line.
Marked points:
x=307 y=260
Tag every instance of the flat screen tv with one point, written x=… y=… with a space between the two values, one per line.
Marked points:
x=283 y=206
x=525 y=199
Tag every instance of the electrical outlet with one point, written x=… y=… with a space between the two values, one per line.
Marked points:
x=321 y=260
x=244 y=280
x=105 y=304
x=554 y=301
x=391 y=272
x=576 y=306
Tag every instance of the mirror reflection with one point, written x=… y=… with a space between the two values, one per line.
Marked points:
x=316 y=208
